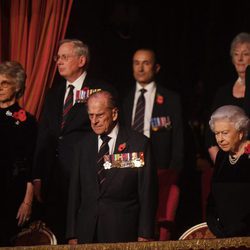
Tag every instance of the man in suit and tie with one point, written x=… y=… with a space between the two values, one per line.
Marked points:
x=161 y=116
x=113 y=191
x=64 y=116
x=156 y=112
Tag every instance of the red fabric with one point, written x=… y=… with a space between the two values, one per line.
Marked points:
x=166 y=177
x=168 y=201
x=205 y=189
x=35 y=29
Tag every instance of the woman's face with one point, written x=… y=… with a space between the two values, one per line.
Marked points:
x=227 y=137
x=8 y=90
x=241 y=57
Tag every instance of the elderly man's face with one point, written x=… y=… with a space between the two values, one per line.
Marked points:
x=69 y=64
x=227 y=137
x=102 y=117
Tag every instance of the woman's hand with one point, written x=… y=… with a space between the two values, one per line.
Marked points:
x=24 y=212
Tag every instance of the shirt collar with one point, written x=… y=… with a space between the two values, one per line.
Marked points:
x=149 y=87
x=114 y=132
x=78 y=82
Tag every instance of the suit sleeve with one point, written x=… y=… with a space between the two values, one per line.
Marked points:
x=41 y=145
x=148 y=196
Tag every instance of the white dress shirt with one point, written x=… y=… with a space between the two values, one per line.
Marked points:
x=113 y=134
x=77 y=85
x=149 y=103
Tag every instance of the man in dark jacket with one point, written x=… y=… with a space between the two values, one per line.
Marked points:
x=63 y=119
x=114 y=201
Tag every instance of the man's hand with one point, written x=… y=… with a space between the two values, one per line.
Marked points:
x=73 y=242
x=144 y=239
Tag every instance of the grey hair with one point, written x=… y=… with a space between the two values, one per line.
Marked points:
x=233 y=114
x=80 y=48
x=111 y=99
x=14 y=71
x=242 y=37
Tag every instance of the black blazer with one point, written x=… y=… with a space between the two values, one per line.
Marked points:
x=53 y=150
x=125 y=206
x=167 y=144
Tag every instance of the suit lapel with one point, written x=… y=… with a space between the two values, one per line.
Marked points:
x=156 y=106
x=60 y=100
x=74 y=110
x=122 y=137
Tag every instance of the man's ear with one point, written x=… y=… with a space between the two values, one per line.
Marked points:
x=115 y=114
x=157 y=68
x=82 y=61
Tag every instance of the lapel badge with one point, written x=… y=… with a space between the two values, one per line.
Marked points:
x=121 y=147
x=125 y=160
x=83 y=94
x=159 y=99
x=158 y=123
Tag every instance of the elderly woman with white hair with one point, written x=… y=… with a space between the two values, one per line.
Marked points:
x=235 y=92
x=18 y=131
x=228 y=208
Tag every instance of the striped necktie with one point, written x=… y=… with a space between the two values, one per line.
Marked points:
x=104 y=150
x=67 y=104
x=138 y=124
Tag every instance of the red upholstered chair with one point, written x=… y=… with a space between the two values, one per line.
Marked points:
x=205 y=189
x=199 y=231
x=168 y=202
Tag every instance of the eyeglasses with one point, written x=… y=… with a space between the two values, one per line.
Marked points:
x=64 y=58
x=6 y=84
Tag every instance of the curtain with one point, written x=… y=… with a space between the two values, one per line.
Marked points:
x=35 y=27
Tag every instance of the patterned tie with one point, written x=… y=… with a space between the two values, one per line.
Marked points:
x=104 y=150
x=138 y=124
x=67 y=104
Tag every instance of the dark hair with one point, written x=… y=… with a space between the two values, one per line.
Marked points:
x=15 y=71
x=149 y=50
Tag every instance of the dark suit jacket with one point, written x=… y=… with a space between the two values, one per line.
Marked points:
x=53 y=151
x=167 y=144
x=125 y=206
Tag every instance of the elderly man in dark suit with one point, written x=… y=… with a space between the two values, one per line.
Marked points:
x=114 y=201
x=64 y=116
x=161 y=116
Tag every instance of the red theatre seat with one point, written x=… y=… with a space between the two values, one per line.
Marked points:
x=168 y=202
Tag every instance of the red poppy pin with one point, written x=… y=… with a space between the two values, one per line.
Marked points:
x=85 y=89
x=20 y=115
x=247 y=149
x=159 y=99
x=122 y=147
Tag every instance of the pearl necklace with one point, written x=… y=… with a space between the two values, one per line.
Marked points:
x=233 y=160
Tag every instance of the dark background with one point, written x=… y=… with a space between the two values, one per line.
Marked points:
x=192 y=39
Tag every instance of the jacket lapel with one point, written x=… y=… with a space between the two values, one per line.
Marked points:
x=60 y=101
x=74 y=110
